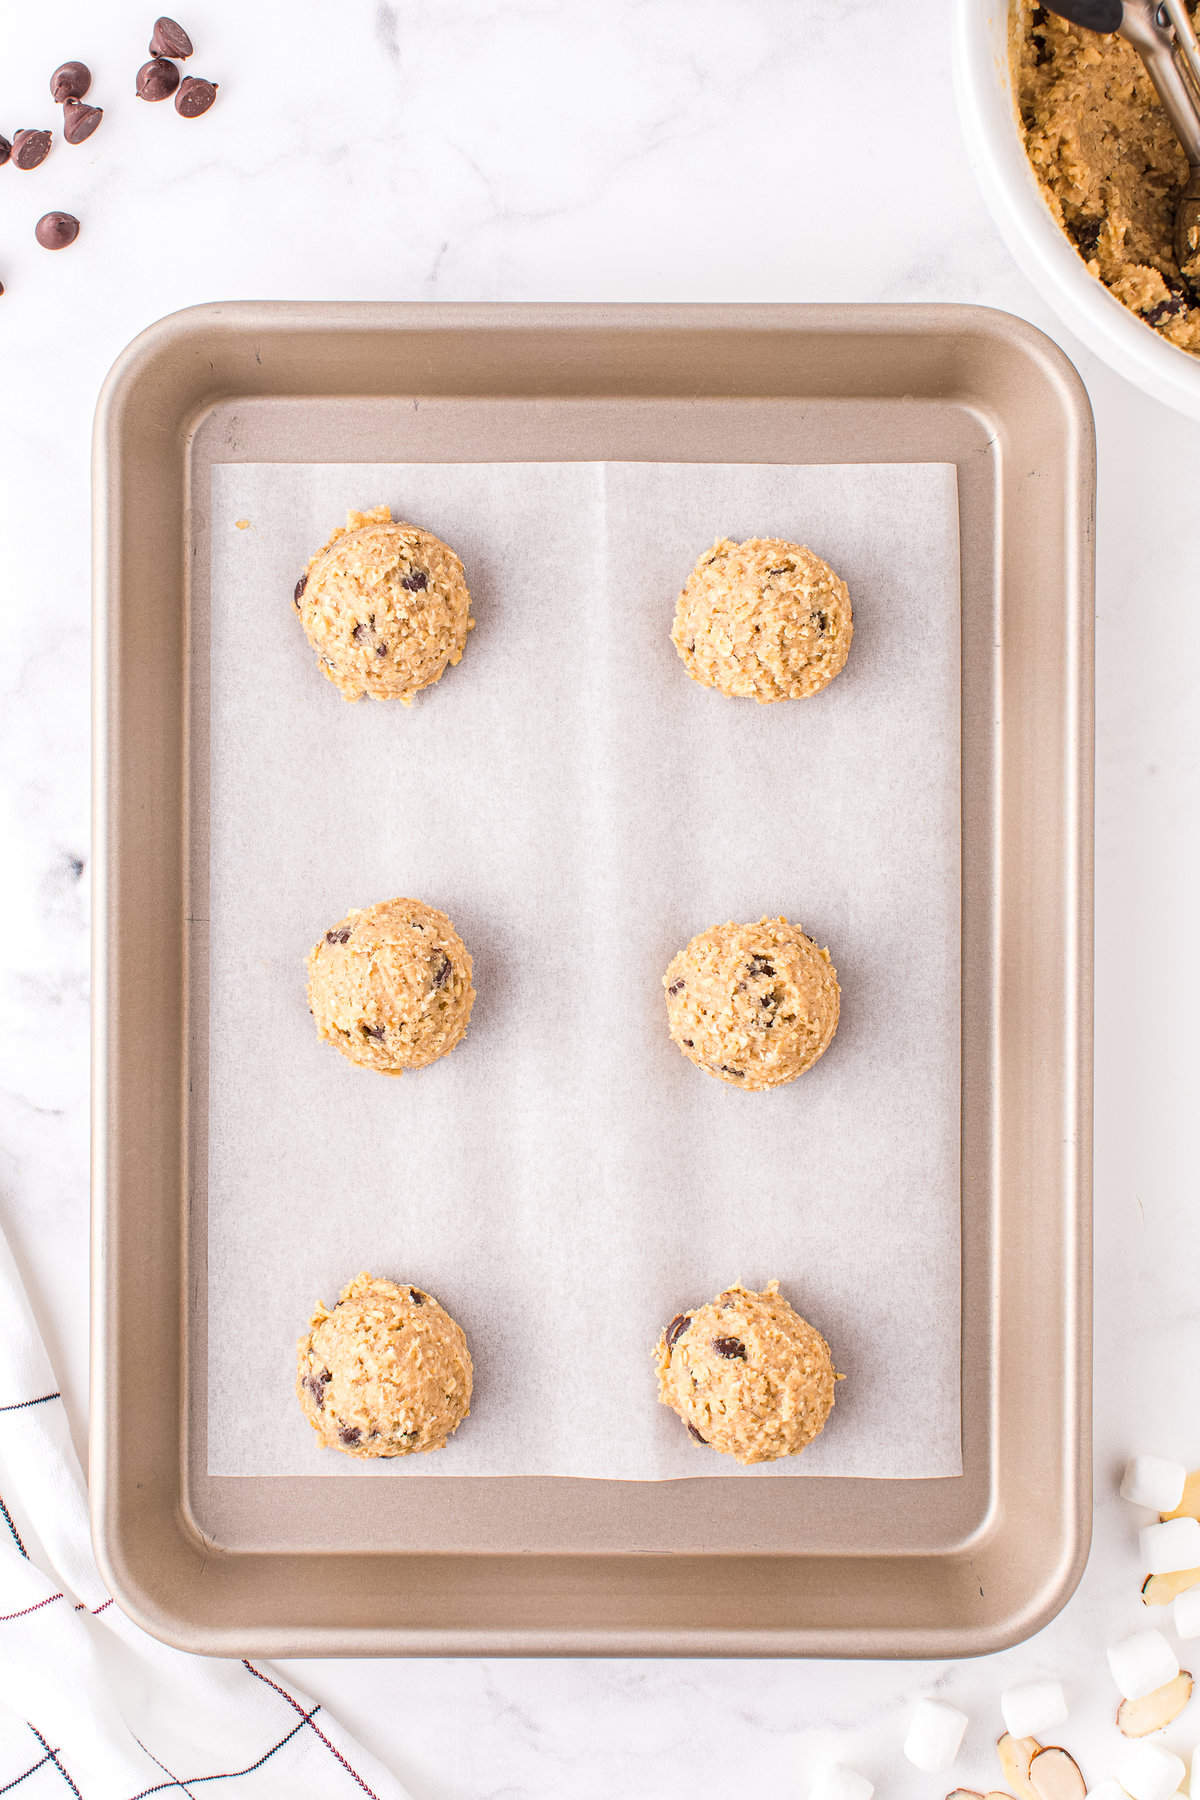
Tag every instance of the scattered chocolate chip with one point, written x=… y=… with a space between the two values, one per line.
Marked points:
x=729 y=1347
x=726 y=1070
x=30 y=148
x=676 y=1329
x=415 y=580
x=5 y=151
x=374 y=1032
x=441 y=970
x=760 y=965
x=782 y=571
x=316 y=1385
x=416 y=1296
x=359 y=633
x=338 y=937
x=821 y=621
x=170 y=39
x=696 y=1435
x=157 y=80
x=70 y=81
x=54 y=231
x=349 y=1434
x=195 y=96
x=381 y=649
x=1170 y=308
x=79 y=120
x=299 y=590
x=1086 y=233
x=690 y=1042
x=676 y=986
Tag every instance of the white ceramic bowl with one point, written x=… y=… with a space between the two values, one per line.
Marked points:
x=997 y=154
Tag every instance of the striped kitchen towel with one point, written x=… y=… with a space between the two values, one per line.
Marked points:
x=91 y=1705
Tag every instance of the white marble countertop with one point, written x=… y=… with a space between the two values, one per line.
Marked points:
x=544 y=149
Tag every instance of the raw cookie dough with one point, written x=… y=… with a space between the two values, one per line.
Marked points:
x=747 y=1375
x=754 y=1005
x=764 y=620
x=385 y=606
x=1109 y=165
x=390 y=986
x=387 y=1372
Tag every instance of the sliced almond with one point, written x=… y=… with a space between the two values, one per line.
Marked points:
x=1153 y=1712
x=1189 y=1506
x=1016 y=1755
x=1054 y=1775
x=1160 y=1590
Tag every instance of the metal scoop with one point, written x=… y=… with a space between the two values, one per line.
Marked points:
x=1165 y=39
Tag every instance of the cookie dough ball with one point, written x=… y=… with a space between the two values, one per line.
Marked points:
x=385 y=606
x=754 y=1005
x=764 y=620
x=387 y=1372
x=390 y=986
x=747 y=1375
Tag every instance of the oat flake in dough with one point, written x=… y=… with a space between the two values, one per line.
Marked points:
x=764 y=620
x=754 y=1005
x=747 y=1375
x=390 y=986
x=385 y=606
x=387 y=1372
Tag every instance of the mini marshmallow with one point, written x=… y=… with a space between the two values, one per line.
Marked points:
x=1194 y=1783
x=1107 y=1790
x=837 y=1783
x=1148 y=1772
x=1173 y=1544
x=935 y=1732
x=1142 y=1663
x=1186 y=1611
x=1154 y=1482
x=1033 y=1707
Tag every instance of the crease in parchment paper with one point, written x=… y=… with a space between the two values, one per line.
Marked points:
x=565 y=1181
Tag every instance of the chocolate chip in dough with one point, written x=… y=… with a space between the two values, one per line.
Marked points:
x=730 y=1347
x=316 y=1385
x=441 y=971
x=195 y=96
x=70 y=81
x=170 y=39
x=696 y=1435
x=157 y=80
x=676 y=986
x=349 y=1434
x=374 y=1032
x=80 y=120
x=300 y=587
x=415 y=581
x=416 y=1296
x=30 y=148
x=55 y=230
x=676 y=1329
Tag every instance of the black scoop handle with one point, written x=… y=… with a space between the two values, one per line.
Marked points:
x=1094 y=15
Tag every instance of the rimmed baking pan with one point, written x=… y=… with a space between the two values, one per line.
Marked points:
x=523 y=1565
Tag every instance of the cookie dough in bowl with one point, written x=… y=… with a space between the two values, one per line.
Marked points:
x=385 y=606
x=764 y=620
x=387 y=1372
x=754 y=1005
x=747 y=1375
x=390 y=986
x=1109 y=166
